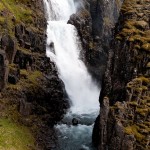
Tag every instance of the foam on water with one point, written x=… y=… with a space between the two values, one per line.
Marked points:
x=64 y=47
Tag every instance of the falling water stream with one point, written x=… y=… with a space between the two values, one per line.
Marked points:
x=64 y=47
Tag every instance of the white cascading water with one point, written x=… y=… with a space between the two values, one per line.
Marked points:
x=63 y=47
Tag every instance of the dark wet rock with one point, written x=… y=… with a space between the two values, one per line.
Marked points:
x=51 y=45
x=23 y=60
x=75 y=121
x=128 y=142
x=8 y=44
x=47 y=137
x=29 y=40
x=94 y=23
x=95 y=134
x=3 y=70
x=25 y=107
x=123 y=124
x=12 y=79
x=27 y=45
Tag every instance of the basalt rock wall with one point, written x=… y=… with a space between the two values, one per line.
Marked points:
x=124 y=114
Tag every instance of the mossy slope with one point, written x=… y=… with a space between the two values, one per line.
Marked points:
x=15 y=136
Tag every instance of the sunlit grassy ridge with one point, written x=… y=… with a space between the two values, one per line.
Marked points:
x=18 y=9
x=14 y=136
x=13 y=12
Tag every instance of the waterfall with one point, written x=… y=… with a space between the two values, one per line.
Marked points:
x=64 y=47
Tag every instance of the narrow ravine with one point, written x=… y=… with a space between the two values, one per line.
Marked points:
x=63 y=47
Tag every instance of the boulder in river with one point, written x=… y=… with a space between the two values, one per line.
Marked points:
x=75 y=121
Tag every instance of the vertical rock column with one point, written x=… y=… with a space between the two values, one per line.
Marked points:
x=3 y=70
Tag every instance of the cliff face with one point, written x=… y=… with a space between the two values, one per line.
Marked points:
x=30 y=91
x=94 y=22
x=124 y=114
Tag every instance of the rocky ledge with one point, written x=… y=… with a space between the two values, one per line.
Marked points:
x=31 y=93
x=124 y=120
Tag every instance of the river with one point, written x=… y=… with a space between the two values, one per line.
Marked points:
x=64 y=48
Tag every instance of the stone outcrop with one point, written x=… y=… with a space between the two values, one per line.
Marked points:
x=125 y=123
x=94 y=23
x=3 y=70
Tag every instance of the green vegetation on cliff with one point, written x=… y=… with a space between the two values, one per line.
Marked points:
x=12 y=13
x=127 y=81
x=22 y=41
x=15 y=12
x=135 y=35
x=136 y=29
x=14 y=136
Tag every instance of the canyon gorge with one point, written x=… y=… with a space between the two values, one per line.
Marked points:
x=74 y=74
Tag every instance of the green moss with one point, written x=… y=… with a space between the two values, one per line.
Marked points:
x=143 y=79
x=146 y=47
x=24 y=50
x=133 y=103
x=33 y=77
x=2 y=20
x=147 y=123
x=29 y=79
x=144 y=101
x=15 y=136
x=2 y=7
x=141 y=88
x=140 y=24
x=142 y=111
x=118 y=105
x=16 y=87
x=147 y=33
x=24 y=74
x=134 y=130
x=12 y=67
x=20 y=12
x=131 y=39
x=134 y=32
x=15 y=12
x=148 y=65
x=144 y=126
x=137 y=46
x=91 y=45
x=118 y=38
